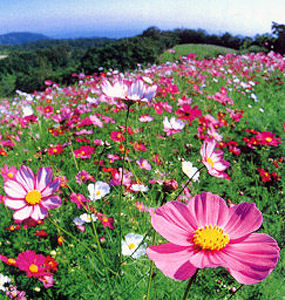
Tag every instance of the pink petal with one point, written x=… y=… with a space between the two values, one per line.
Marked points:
x=51 y=202
x=14 y=189
x=244 y=218
x=256 y=275
x=14 y=204
x=172 y=260
x=174 y=222
x=205 y=259
x=43 y=178
x=250 y=259
x=39 y=213
x=209 y=209
x=26 y=177
x=23 y=213
x=51 y=188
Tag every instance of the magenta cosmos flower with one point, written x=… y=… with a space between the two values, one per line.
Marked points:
x=207 y=233
x=213 y=160
x=30 y=195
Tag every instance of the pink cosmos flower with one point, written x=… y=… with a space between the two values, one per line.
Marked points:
x=30 y=195
x=172 y=126
x=213 y=160
x=33 y=264
x=8 y=173
x=144 y=164
x=206 y=233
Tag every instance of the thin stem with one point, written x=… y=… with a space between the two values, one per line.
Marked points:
x=79 y=242
x=191 y=280
x=151 y=272
x=121 y=194
x=189 y=180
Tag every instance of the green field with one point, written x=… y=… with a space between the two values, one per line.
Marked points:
x=201 y=50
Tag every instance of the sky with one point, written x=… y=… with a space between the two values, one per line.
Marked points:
x=123 y=18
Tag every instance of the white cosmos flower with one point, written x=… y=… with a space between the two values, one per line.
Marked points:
x=87 y=218
x=190 y=170
x=131 y=243
x=3 y=280
x=98 y=190
x=27 y=110
x=139 y=188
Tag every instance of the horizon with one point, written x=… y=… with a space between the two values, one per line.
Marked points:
x=124 y=18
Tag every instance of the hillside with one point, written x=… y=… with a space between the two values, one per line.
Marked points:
x=201 y=51
x=19 y=38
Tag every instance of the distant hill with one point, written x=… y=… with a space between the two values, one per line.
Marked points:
x=19 y=38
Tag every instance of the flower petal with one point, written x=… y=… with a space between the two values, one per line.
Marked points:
x=23 y=213
x=172 y=260
x=250 y=259
x=244 y=218
x=209 y=209
x=51 y=188
x=14 y=204
x=14 y=189
x=51 y=202
x=43 y=178
x=26 y=177
x=174 y=222
x=39 y=213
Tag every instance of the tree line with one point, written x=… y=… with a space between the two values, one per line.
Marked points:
x=28 y=66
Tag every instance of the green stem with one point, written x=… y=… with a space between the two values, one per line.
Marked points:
x=121 y=194
x=191 y=280
x=187 y=183
x=151 y=272
x=79 y=242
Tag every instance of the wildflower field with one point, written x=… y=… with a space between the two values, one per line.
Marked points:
x=163 y=183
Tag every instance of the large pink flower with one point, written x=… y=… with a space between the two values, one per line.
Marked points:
x=213 y=160
x=30 y=195
x=207 y=233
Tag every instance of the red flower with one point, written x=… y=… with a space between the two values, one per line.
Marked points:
x=55 y=150
x=265 y=175
x=117 y=136
x=42 y=234
x=267 y=138
x=84 y=152
x=188 y=113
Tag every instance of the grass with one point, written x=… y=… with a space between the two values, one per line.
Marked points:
x=201 y=50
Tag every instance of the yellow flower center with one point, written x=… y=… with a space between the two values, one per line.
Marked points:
x=33 y=197
x=33 y=268
x=131 y=246
x=10 y=175
x=98 y=193
x=11 y=261
x=210 y=238
x=210 y=161
x=268 y=139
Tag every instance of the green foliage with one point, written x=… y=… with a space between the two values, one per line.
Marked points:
x=201 y=51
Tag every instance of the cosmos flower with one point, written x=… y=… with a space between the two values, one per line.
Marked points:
x=136 y=91
x=213 y=160
x=98 y=190
x=131 y=245
x=190 y=170
x=30 y=195
x=206 y=233
x=172 y=126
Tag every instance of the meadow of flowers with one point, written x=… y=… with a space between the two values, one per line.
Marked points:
x=164 y=183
